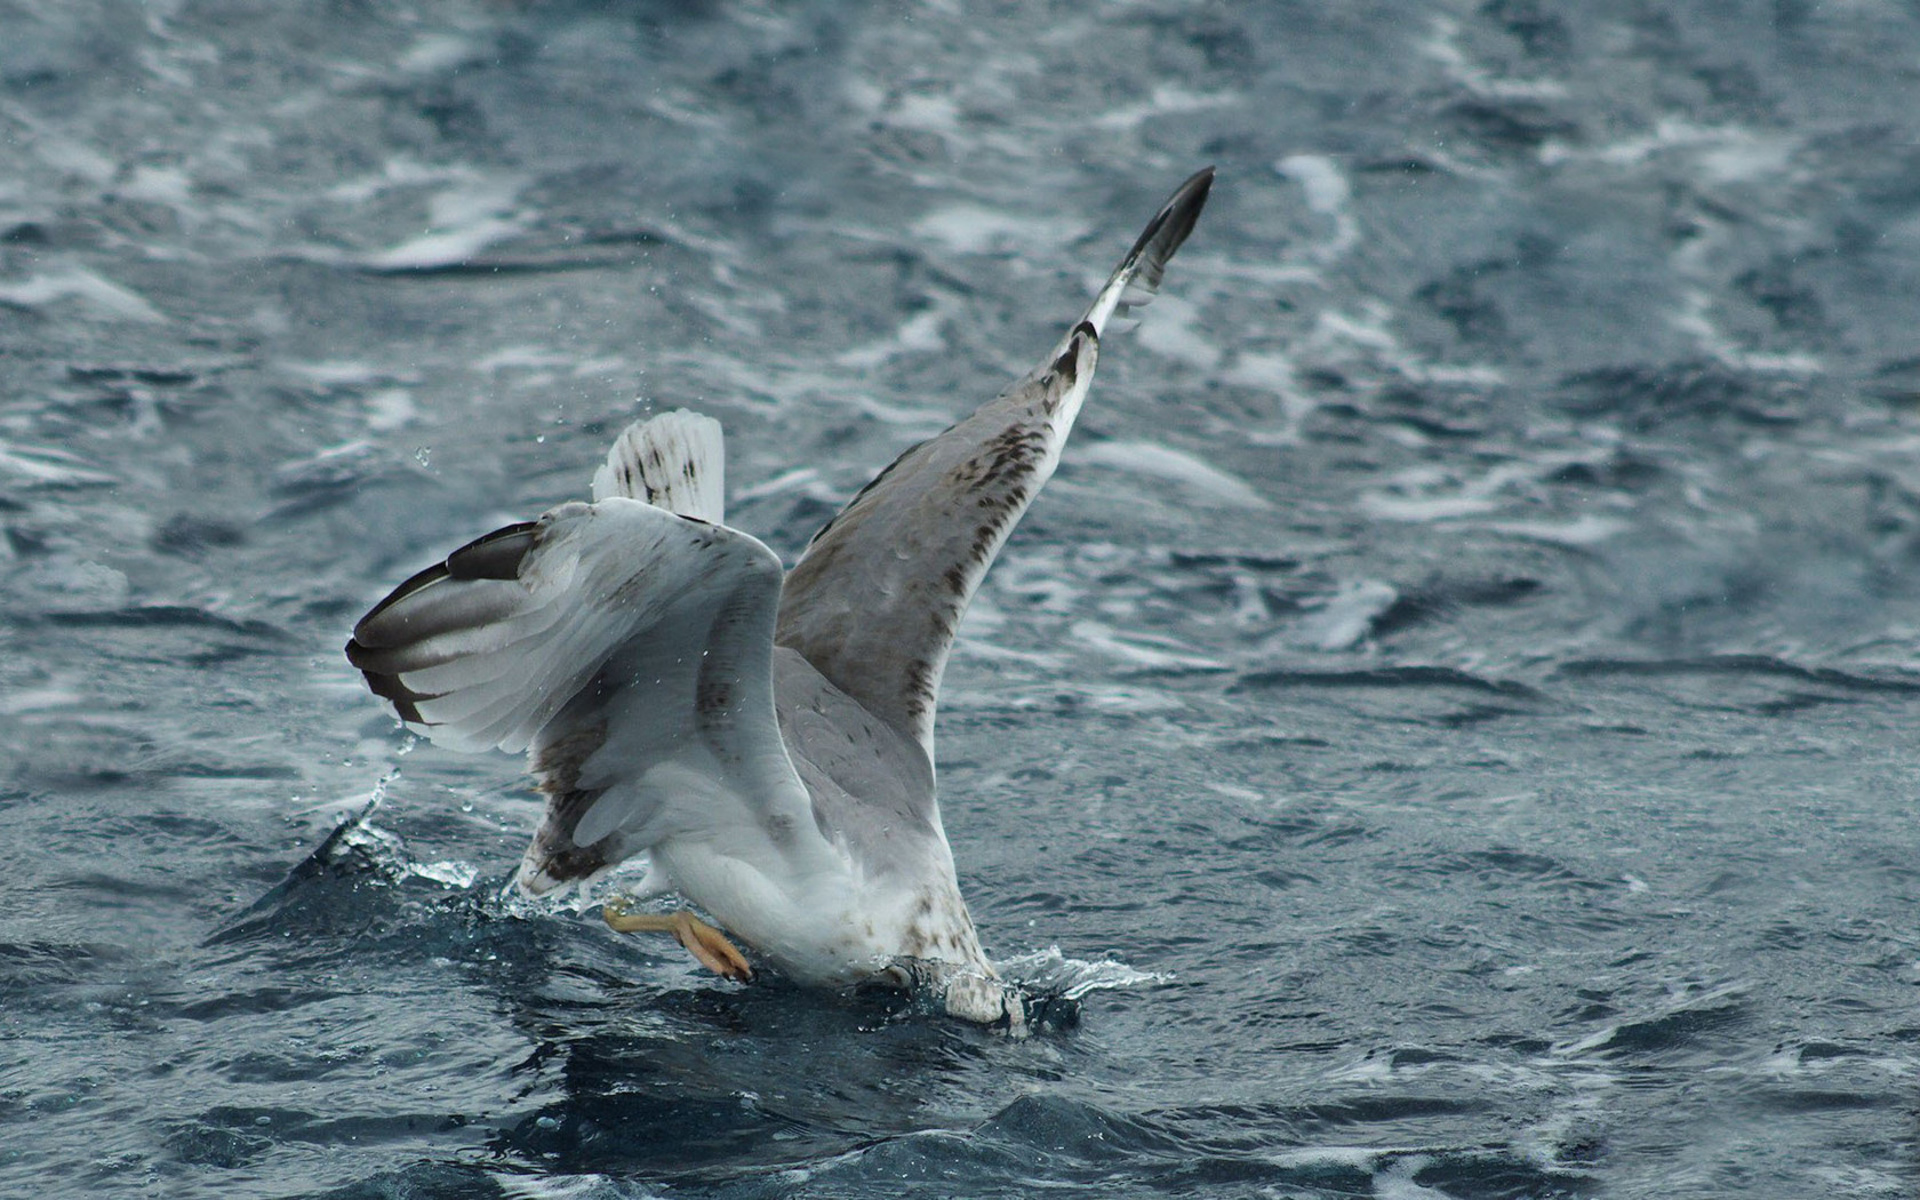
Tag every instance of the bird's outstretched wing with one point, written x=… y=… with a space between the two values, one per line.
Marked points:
x=627 y=648
x=874 y=602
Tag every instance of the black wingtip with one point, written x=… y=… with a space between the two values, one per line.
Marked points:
x=412 y=584
x=496 y=555
x=1138 y=276
x=391 y=688
x=1175 y=220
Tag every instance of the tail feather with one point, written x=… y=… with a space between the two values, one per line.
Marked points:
x=676 y=461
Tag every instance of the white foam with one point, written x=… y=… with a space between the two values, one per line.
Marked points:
x=1175 y=332
x=1724 y=154
x=334 y=372
x=463 y=220
x=521 y=358
x=862 y=94
x=1368 y=329
x=1424 y=508
x=1357 y=1158
x=65 y=584
x=1346 y=618
x=1441 y=48
x=1695 y=318
x=51 y=466
x=805 y=480
x=1374 y=1068
x=1163 y=653
x=1133 y=702
x=1274 y=374
x=918 y=110
x=1747 y=156
x=448 y=874
x=1859 y=1179
x=1681 y=999
x=971 y=229
x=1259 y=272
x=1589 y=529
x=1203 y=482
x=605 y=366
x=1327 y=193
x=444 y=248
x=1320 y=178
x=159 y=185
x=77 y=283
x=1430 y=494
x=516 y=1186
x=435 y=52
x=359 y=449
x=968 y=645
x=1167 y=99
x=918 y=334
x=1053 y=972
x=32 y=700
x=64 y=153
x=389 y=409
x=1268 y=373
x=475 y=202
x=397 y=172
x=917 y=422
x=1394 y=1181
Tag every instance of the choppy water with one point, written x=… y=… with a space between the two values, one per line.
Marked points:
x=1461 y=685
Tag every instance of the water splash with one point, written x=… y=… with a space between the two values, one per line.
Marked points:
x=1050 y=972
x=357 y=844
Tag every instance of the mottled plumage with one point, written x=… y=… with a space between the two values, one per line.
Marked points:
x=766 y=740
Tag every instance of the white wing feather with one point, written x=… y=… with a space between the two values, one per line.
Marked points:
x=628 y=649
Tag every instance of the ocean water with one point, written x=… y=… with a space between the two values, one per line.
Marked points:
x=1446 y=732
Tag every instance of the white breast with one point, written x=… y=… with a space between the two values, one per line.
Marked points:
x=823 y=926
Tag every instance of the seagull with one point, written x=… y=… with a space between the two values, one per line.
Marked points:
x=763 y=736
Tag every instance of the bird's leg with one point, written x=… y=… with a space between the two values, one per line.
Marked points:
x=703 y=941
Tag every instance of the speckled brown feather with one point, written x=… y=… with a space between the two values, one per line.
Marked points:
x=875 y=601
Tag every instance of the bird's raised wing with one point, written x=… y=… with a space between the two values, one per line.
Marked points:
x=627 y=649
x=874 y=602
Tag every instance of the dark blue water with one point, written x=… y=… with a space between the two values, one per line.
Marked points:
x=1451 y=719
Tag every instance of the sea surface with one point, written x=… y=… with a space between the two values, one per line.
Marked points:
x=1448 y=731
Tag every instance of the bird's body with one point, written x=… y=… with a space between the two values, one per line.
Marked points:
x=766 y=738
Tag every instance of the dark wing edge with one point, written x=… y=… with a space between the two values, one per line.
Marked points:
x=376 y=636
